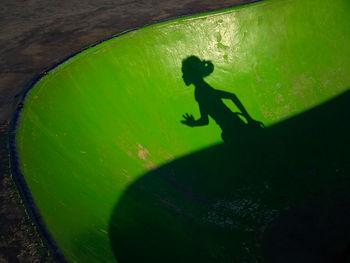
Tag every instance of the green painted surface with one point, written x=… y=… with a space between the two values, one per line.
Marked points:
x=99 y=126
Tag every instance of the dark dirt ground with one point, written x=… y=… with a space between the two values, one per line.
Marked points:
x=37 y=34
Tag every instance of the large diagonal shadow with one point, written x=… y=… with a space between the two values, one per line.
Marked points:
x=278 y=194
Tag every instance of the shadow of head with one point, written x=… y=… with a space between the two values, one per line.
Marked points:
x=195 y=69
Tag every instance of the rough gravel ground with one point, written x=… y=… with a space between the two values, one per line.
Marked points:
x=37 y=34
x=19 y=241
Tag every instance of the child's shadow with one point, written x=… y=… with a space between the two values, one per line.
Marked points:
x=210 y=104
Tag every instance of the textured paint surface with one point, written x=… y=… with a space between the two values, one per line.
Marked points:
x=96 y=124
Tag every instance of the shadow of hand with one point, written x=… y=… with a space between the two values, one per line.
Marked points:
x=188 y=120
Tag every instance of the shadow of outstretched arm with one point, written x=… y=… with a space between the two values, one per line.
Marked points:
x=243 y=112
